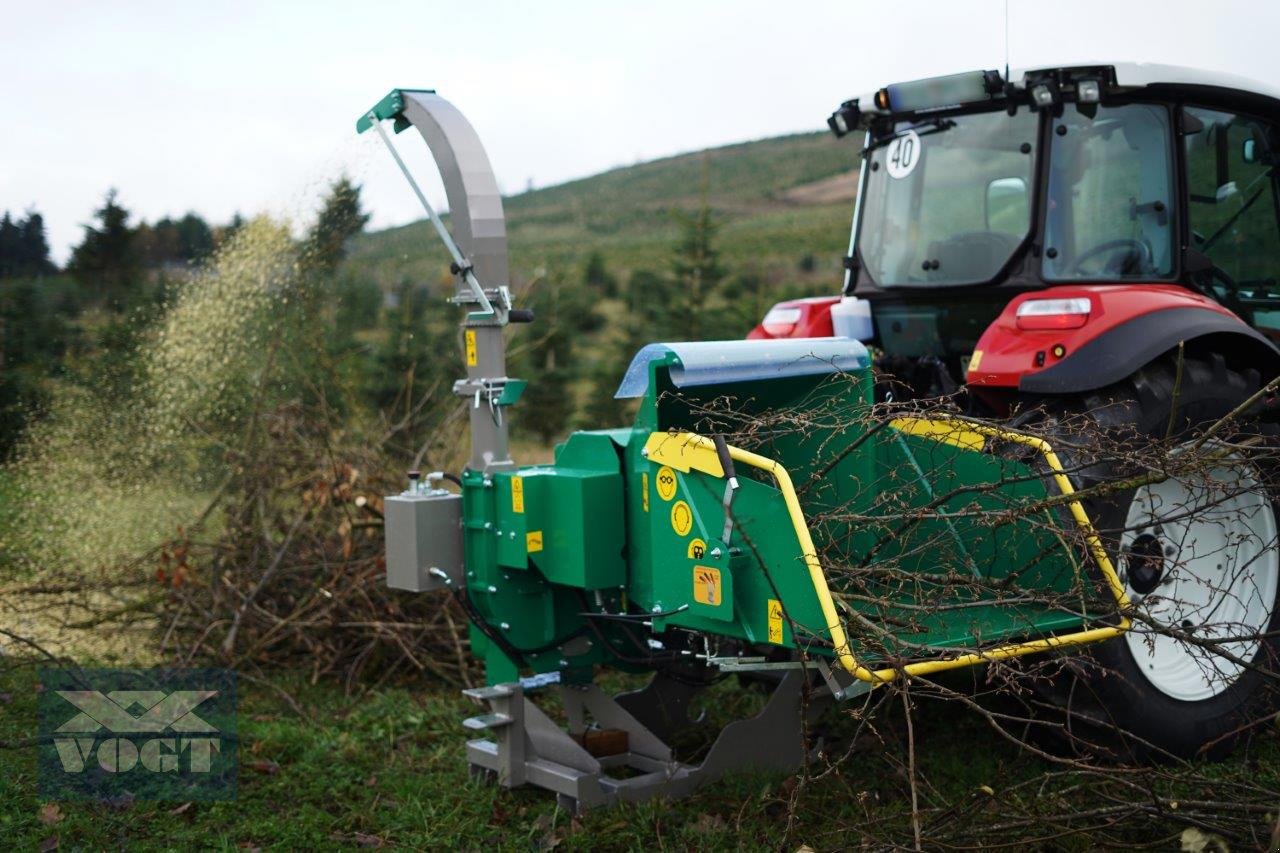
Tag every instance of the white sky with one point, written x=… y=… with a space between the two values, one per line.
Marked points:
x=250 y=106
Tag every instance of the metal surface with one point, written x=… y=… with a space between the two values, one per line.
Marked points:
x=478 y=246
x=530 y=749
x=423 y=532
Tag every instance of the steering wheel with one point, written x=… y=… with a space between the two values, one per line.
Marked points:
x=1141 y=249
x=1230 y=294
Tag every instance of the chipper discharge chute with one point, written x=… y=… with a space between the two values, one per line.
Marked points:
x=761 y=516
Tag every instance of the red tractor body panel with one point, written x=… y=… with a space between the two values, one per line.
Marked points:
x=1007 y=351
x=797 y=318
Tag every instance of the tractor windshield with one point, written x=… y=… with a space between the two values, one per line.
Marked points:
x=947 y=202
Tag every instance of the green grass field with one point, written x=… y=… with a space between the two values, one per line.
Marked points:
x=387 y=768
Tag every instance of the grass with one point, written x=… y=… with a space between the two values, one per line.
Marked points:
x=388 y=768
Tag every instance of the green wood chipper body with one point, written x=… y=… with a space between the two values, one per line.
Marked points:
x=760 y=515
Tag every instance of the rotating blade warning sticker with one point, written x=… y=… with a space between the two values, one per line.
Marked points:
x=517 y=494
x=681 y=518
x=533 y=541
x=666 y=483
x=470 y=346
x=775 y=621
x=706 y=586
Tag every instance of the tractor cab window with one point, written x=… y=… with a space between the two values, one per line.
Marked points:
x=947 y=201
x=1231 y=208
x=1109 y=208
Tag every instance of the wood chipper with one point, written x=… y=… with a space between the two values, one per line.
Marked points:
x=773 y=512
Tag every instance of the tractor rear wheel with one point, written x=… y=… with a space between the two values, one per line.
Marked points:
x=1199 y=558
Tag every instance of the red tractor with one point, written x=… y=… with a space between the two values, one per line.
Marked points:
x=1100 y=239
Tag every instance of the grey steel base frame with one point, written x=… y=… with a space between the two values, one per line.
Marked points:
x=532 y=749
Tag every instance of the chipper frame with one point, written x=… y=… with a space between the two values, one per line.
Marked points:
x=662 y=548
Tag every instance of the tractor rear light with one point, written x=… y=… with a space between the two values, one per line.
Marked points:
x=1053 y=313
x=781 y=321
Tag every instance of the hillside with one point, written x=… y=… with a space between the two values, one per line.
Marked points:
x=783 y=207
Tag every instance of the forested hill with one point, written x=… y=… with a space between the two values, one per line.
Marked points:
x=782 y=207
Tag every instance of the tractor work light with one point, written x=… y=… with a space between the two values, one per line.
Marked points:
x=1088 y=91
x=845 y=118
x=1045 y=94
x=1044 y=314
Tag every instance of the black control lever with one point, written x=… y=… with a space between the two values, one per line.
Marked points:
x=520 y=315
x=731 y=484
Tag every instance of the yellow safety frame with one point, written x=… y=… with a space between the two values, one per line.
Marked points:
x=687 y=450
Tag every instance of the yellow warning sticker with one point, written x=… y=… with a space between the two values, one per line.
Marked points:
x=696 y=549
x=517 y=494
x=644 y=490
x=975 y=360
x=470 y=345
x=666 y=483
x=533 y=541
x=775 y=621
x=681 y=518
x=706 y=586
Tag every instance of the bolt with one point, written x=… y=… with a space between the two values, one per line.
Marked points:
x=506 y=626
x=644 y=451
x=657 y=608
x=715 y=553
x=488 y=525
x=511 y=535
x=492 y=588
x=564 y=662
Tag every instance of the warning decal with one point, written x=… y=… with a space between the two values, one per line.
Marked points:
x=706 y=586
x=681 y=518
x=644 y=490
x=470 y=339
x=775 y=621
x=517 y=494
x=696 y=549
x=666 y=483
x=533 y=541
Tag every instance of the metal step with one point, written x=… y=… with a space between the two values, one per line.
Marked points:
x=498 y=691
x=486 y=721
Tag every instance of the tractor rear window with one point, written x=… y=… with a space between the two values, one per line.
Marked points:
x=1110 y=203
x=948 y=202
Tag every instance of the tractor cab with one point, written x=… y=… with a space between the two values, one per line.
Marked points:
x=1003 y=225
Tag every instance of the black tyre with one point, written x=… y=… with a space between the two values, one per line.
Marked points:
x=1198 y=555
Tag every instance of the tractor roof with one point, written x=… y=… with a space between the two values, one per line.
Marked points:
x=958 y=90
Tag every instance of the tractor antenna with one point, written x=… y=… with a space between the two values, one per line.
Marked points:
x=1006 y=41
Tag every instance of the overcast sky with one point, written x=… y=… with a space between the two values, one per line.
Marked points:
x=220 y=107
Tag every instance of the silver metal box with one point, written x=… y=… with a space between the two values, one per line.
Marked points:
x=424 y=531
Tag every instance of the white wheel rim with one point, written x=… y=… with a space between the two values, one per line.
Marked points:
x=1218 y=532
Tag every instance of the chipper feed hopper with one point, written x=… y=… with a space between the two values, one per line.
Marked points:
x=758 y=517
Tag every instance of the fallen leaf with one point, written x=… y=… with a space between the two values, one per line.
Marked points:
x=1195 y=840
x=49 y=844
x=372 y=781
x=182 y=809
x=50 y=814
x=267 y=766
x=6 y=698
x=987 y=789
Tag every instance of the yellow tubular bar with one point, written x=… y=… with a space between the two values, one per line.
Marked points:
x=685 y=450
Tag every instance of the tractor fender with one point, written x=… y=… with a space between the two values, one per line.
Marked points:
x=1129 y=326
